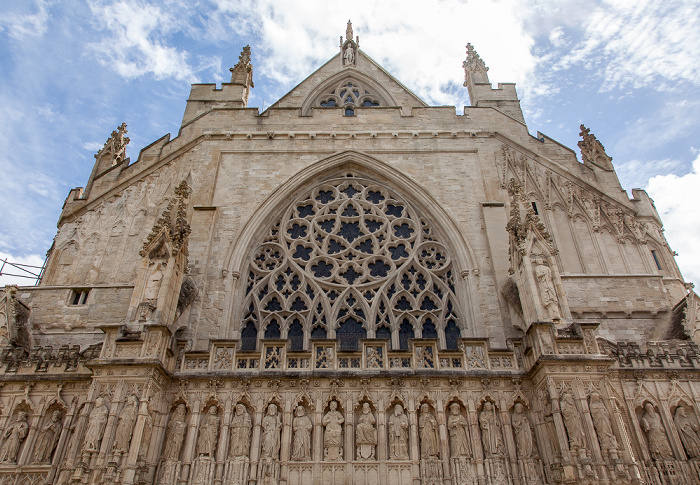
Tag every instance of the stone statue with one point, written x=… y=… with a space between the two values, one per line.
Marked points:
x=548 y=295
x=428 y=428
x=14 y=435
x=654 y=428
x=523 y=432
x=366 y=433
x=601 y=423
x=333 y=436
x=459 y=432
x=688 y=431
x=48 y=438
x=572 y=421
x=398 y=434
x=241 y=425
x=349 y=55
x=125 y=426
x=175 y=434
x=96 y=426
x=271 y=425
x=208 y=432
x=491 y=435
x=301 y=444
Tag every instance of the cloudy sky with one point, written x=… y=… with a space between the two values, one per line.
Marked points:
x=72 y=70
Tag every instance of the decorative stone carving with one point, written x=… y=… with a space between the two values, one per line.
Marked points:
x=491 y=435
x=601 y=422
x=14 y=436
x=48 y=438
x=548 y=295
x=688 y=431
x=271 y=426
x=208 y=432
x=366 y=433
x=301 y=444
x=592 y=150
x=333 y=435
x=242 y=73
x=398 y=434
x=524 y=443
x=458 y=427
x=175 y=434
x=96 y=426
x=241 y=426
x=572 y=422
x=474 y=63
x=125 y=426
x=428 y=430
x=659 y=448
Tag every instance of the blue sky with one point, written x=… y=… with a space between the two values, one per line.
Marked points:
x=71 y=71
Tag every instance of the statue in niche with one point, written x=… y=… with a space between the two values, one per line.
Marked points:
x=271 y=426
x=688 y=431
x=175 y=434
x=398 y=434
x=96 y=426
x=491 y=435
x=654 y=428
x=333 y=436
x=208 y=432
x=601 y=423
x=548 y=295
x=523 y=432
x=459 y=432
x=366 y=433
x=15 y=434
x=48 y=438
x=427 y=425
x=241 y=425
x=125 y=426
x=349 y=55
x=301 y=444
x=572 y=421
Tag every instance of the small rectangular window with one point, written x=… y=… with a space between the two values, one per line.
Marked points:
x=534 y=208
x=656 y=259
x=79 y=297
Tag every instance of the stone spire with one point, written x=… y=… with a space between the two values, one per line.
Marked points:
x=592 y=150
x=475 y=67
x=242 y=73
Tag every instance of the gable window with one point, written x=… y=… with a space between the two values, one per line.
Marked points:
x=349 y=95
x=79 y=297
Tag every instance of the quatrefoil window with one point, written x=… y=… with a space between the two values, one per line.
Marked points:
x=351 y=259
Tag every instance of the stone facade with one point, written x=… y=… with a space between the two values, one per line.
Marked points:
x=352 y=287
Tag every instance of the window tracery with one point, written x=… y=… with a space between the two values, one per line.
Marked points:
x=350 y=259
x=349 y=94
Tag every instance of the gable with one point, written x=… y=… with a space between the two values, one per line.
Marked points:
x=374 y=86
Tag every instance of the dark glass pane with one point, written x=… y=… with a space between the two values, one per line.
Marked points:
x=273 y=330
x=349 y=333
x=349 y=112
x=405 y=333
x=451 y=335
x=429 y=330
x=249 y=337
x=318 y=332
x=384 y=332
x=296 y=336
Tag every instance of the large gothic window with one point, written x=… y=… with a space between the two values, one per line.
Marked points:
x=349 y=94
x=351 y=259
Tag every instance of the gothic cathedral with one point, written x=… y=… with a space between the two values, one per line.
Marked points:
x=352 y=287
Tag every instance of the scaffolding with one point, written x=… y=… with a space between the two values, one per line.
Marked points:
x=22 y=271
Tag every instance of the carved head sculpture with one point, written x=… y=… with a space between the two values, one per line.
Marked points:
x=240 y=409
x=333 y=405
x=132 y=400
x=365 y=408
x=272 y=409
x=454 y=409
x=519 y=407
x=299 y=411
x=398 y=409
x=99 y=402
x=56 y=416
x=488 y=407
x=213 y=410
x=21 y=416
x=181 y=410
x=649 y=408
x=680 y=411
x=424 y=408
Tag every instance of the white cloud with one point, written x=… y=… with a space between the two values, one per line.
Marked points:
x=672 y=194
x=21 y=25
x=8 y=270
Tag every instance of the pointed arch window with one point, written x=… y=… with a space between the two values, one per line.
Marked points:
x=351 y=259
x=349 y=94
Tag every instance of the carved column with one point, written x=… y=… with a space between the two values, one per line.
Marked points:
x=190 y=442
x=511 y=453
x=318 y=431
x=589 y=429
x=382 y=448
x=26 y=453
x=475 y=435
x=286 y=444
x=108 y=436
x=135 y=445
x=561 y=433
x=255 y=443
x=444 y=439
x=349 y=429
x=222 y=448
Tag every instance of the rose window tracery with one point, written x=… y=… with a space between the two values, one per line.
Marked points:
x=349 y=94
x=350 y=260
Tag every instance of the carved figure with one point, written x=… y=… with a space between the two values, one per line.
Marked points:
x=601 y=422
x=96 y=426
x=125 y=426
x=349 y=55
x=366 y=433
x=572 y=421
x=688 y=431
x=301 y=445
x=47 y=439
x=654 y=428
x=398 y=434
x=271 y=425
x=14 y=435
x=523 y=432
x=548 y=295
x=332 y=438
x=175 y=434
x=208 y=432
x=459 y=432
x=491 y=436
x=427 y=425
x=241 y=425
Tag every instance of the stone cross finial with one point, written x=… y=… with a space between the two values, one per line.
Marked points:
x=474 y=62
x=592 y=150
x=115 y=146
x=348 y=31
x=242 y=72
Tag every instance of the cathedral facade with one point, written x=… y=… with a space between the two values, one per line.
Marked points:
x=352 y=287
